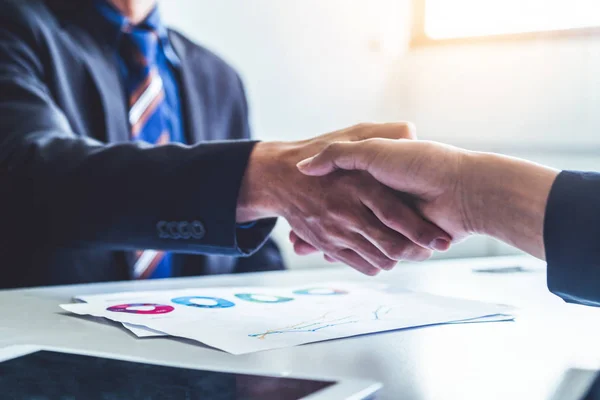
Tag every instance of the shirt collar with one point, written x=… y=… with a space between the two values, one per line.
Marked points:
x=112 y=24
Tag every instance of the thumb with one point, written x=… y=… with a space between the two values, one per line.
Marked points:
x=339 y=155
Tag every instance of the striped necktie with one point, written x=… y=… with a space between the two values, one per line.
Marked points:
x=144 y=86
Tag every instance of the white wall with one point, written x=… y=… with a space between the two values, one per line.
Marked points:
x=310 y=66
x=318 y=65
x=515 y=95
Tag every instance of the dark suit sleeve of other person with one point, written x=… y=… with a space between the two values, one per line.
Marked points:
x=60 y=188
x=572 y=237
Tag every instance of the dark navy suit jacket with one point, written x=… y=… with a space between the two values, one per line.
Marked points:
x=572 y=237
x=70 y=180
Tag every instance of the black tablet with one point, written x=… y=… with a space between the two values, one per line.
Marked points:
x=32 y=372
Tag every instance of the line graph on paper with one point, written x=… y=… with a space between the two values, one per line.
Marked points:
x=327 y=321
x=380 y=312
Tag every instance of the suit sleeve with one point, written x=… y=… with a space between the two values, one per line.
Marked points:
x=65 y=190
x=572 y=237
x=268 y=257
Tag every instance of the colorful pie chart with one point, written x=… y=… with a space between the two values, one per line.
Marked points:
x=141 y=308
x=318 y=291
x=262 y=298
x=203 y=302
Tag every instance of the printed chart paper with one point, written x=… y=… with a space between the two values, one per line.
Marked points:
x=247 y=319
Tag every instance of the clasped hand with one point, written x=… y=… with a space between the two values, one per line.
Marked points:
x=348 y=215
x=463 y=192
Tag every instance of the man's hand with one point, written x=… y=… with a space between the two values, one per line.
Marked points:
x=462 y=192
x=346 y=215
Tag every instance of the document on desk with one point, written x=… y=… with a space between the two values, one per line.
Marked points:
x=247 y=319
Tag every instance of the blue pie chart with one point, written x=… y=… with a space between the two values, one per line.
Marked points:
x=203 y=302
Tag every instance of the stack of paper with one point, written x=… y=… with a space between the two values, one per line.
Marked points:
x=247 y=319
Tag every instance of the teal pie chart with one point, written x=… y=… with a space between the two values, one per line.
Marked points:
x=203 y=302
x=262 y=298
x=320 y=291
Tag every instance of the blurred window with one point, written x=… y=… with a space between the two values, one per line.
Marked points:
x=438 y=20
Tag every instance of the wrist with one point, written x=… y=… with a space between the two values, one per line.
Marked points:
x=506 y=198
x=258 y=198
x=475 y=190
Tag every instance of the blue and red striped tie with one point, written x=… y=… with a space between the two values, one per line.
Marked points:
x=146 y=119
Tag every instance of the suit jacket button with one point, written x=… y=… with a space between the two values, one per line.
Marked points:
x=161 y=228
x=184 y=230
x=172 y=227
x=198 y=230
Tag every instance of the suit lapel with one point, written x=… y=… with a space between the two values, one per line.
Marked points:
x=191 y=96
x=100 y=61
x=103 y=69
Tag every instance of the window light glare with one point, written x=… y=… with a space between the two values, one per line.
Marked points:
x=447 y=19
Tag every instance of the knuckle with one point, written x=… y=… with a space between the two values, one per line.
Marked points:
x=334 y=237
x=389 y=217
x=344 y=214
x=421 y=235
x=330 y=148
x=334 y=148
x=361 y=131
x=327 y=226
x=363 y=125
x=371 y=141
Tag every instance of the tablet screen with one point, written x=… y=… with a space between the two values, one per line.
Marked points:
x=52 y=375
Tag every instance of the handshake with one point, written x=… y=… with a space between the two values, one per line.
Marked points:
x=372 y=195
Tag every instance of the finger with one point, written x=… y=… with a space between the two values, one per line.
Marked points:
x=329 y=258
x=364 y=132
x=301 y=247
x=388 y=208
x=369 y=252
x=391 y=243
x=339 y=155
x=352 y=259
x=401 y=249
x=392 y=130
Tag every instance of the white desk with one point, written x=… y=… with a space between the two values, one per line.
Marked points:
x=506 y=360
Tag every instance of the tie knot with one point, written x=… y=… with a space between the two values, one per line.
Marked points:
x=140 y=47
